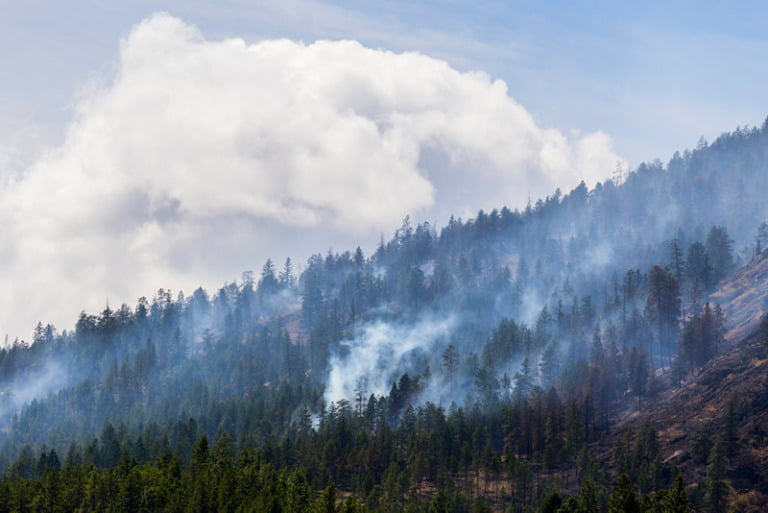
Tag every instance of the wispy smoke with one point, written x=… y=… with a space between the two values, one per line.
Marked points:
x=36 y=383
x=380 y=353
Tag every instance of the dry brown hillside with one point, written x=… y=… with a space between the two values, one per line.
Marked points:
x=744 y=298
x=731 y=388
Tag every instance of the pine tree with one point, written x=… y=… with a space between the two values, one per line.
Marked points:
x=716 y=497
x=623 y=499
x=524 y=380
x=761 y=241
x=200 y=458
x=698 y=267
x=676 y=259
x=326 y=503
x=450 y=361
x=587 y=500
x=663 y=306
x=549 y=366
x=676 y=498
x=268 y=283
x=286 y=278
x=719 y=248
x=552 y=502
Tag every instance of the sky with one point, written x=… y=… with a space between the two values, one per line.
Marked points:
x=177 y=144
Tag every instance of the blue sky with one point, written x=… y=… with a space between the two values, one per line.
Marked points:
x=653 y=75
x=140 y=151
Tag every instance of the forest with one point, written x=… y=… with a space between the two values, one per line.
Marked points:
x=486 y=365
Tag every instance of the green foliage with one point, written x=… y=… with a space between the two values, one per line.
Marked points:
x=719 y=248
x=676 y=498
x=587 y=501
x=623 y=498
x=552 y=503
x=717 y=492
x=702 y=335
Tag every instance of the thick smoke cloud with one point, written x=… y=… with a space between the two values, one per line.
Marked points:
x=199 y=159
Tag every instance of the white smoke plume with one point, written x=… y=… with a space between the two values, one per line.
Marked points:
x=199 y=159
x=380 y=353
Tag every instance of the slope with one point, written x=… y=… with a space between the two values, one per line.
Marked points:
x=727 y=399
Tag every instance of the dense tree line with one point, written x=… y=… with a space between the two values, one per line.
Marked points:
x=219 y=478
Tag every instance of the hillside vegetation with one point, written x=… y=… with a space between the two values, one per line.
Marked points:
x=599 y=350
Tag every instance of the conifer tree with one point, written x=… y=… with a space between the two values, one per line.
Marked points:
x=716 y=497
x=623 y=499
x=676 y=498
x=587 y=500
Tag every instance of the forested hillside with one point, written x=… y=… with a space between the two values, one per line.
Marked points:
x=489 y=364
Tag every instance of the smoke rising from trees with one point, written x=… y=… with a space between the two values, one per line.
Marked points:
x=199 y=159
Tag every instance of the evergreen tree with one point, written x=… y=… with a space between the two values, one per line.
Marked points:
x=287 y=278
x=551 y=503
x=676 y=264
x=200 y=459
x=761 y=241
x=623 y=498
x=676 y=498
x=450 y=361
x=663 y=306
x=587 y=500
x=719 y=248
x=326 y=503
x=698 y=267
x=524 y=379
x=268 y=283
x=762 y=331
x=716 y=488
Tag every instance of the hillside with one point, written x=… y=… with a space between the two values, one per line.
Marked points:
x=745 y=299
x=730 y=393
x=498 y=362
x=727 y=397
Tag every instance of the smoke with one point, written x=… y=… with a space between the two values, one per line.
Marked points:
x=380 y=353
x=47 y=377
x=198 y=159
